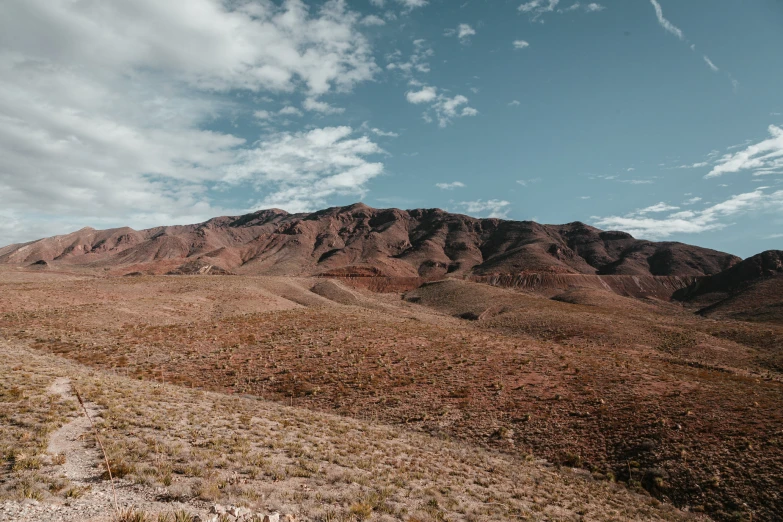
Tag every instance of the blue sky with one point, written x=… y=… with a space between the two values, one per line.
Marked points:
x=661 y=118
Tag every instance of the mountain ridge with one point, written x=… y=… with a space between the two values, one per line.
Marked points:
x=426 y=243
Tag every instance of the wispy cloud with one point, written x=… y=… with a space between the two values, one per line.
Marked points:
x=765 y=157
x=676 y=31
x=412 y=4
x=666 y=24
x=314 y=105
x=493 y=208
x=538 y=8
x=450 y=186
x=514 y=103
x=417 y=63
x=658 y=207
x=373 y=20
x=520 y=44
x=526 y=182
x=715 y=217
x=710 y=64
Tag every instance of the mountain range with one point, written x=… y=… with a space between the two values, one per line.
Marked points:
x=357 y=239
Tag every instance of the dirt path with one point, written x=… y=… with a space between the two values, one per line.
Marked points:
x=82 y=467
x=74 y=441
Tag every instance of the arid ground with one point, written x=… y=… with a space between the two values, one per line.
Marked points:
x=643 y=399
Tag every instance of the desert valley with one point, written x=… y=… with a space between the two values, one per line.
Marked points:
x=382 y=364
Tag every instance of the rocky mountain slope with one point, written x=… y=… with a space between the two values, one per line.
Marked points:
x=749 y=290
x=357 y=239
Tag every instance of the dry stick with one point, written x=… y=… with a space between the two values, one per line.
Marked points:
x=98 y=438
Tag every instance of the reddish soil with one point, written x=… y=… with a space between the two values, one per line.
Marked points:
x=643 y=390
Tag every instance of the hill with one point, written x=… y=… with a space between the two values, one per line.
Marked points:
x=422 y=243
x=750 y=290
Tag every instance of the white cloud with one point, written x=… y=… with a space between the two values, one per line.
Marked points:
x=450 y=186
x=289 y=110
x=710 y=64
x=262 y=115
x=690 y=222
x=658 y=207
x=633 y=181
x=300 y=171
x=103 y=109
x=417 y=63
x=630 y=169
x=514 y=103
x=445 y=108
x=425 y=95
x=765 y=157
x=692 y=200
x=493 y=208
x=313 y=105
x=365 y=127
x=538 y=8
x=373 y=20
x=693 y=165
x=520 y=44
x=526 y=182
x=412 y=4
x=666 y=24
x=463 y=32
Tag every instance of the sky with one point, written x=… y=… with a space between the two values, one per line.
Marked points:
x=661 y=118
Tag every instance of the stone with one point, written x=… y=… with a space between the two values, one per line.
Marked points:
x=217 y=509
x=274 y=517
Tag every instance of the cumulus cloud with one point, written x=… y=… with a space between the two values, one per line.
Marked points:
x=299 y=171
x=514 y=103
x=714 y=217
x=289 y=110
x=104 y=111
x=443 y=108
x=450 y=186
x=424 y=95
x=463 y=32
x=493 y=208
x=765 y=157
x=520 y=44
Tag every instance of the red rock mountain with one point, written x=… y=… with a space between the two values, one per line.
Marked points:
x=358 y=239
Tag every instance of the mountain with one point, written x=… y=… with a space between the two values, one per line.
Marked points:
x=357 y=239
x=750 y=290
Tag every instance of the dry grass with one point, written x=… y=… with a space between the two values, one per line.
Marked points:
x=212 y=447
